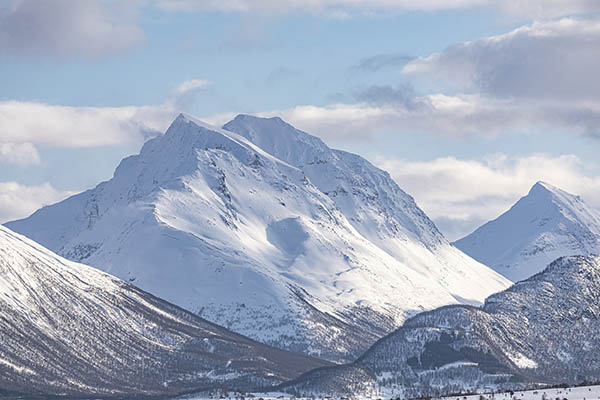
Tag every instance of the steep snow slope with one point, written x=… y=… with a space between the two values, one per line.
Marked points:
x=323 y=256
x=545 y=329
x=70 y=329
x=546 y=224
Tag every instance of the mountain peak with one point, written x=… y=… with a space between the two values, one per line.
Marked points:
x=280 y=139
x=253 y=127
x=183 y=119
x=541 y=188
x=249 y=117
x=257 y=129
x=545 y=224
x=338 y=173
x=568 y=205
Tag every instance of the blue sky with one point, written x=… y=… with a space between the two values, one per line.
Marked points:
x=467 y=103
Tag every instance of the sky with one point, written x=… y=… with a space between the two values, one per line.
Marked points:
x=467 y=103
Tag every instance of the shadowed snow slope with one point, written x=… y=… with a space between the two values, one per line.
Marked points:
x=546 y=224
x=545 y=329
x=70 y=329
x=265 y=230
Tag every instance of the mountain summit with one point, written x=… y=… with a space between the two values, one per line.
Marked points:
x=366 y=195
x=264 y=229
x=545 y=224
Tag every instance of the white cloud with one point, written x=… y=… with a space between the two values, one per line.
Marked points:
x=19 y=154
x=63 y=126
x=460 y=195
x=24 y=125
x=193 y=84
x=460 y=115
x=557 y=60
x=522 y=9
x=19 y=201
x=65 y=27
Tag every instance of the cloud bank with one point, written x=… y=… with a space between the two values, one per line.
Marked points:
x=535 y=78
x=557 y=60
x=62 y=126
x=461 y=115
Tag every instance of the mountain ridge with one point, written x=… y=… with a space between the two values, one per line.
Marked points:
x=318 y=252
x=541 y=331
x=72 y=331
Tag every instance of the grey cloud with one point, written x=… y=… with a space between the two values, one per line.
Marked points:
x=515 y=9
x=404 y=96
x=587 y=119
x=554 y=60
x=381 y=61
x=87 y=28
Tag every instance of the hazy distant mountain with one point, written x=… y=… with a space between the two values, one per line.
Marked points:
x=68 y=329
x=264 y=229
x=545 y=330
x=546 y=224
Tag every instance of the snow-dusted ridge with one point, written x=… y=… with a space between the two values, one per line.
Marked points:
x=71 y=330
x=264 y=229
x=545 y=224
x=543 y=330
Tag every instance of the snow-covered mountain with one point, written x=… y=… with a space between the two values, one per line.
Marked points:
x=69 y=329
x=544 y=225
x=544 y=330
x=263 y=229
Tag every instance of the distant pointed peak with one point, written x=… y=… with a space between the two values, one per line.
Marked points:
x=182 y=118
x=541 y=185
x=542 y=188
x=543 y=192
